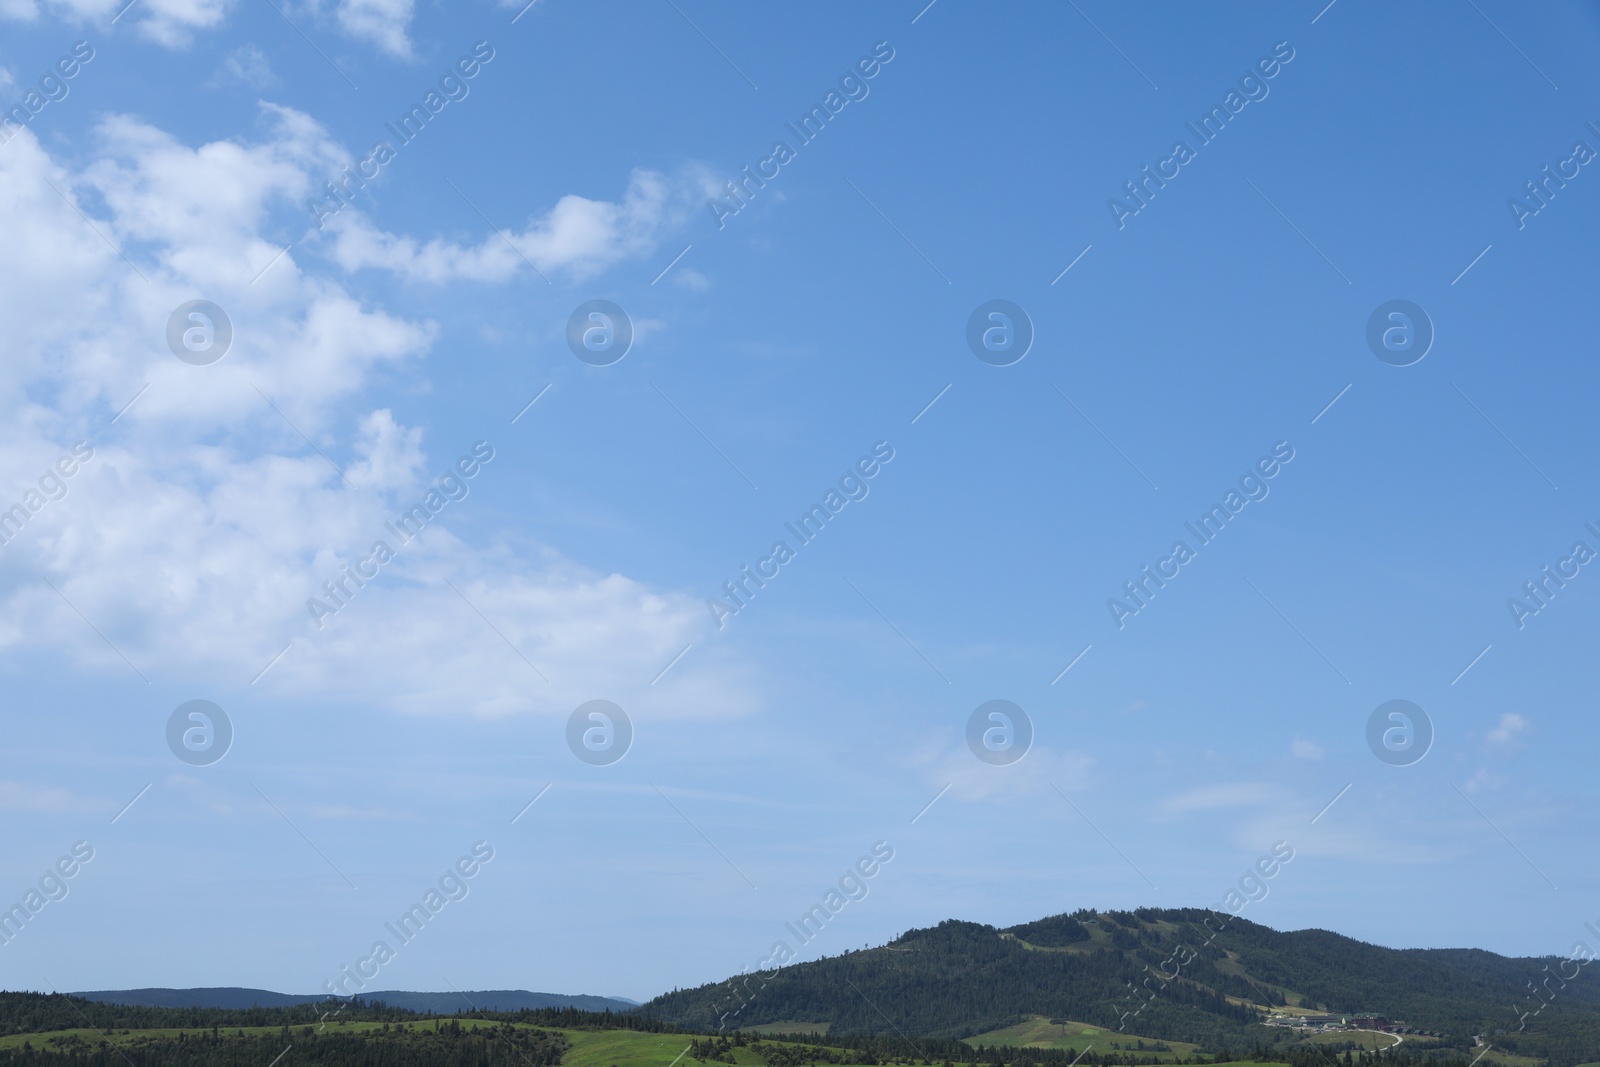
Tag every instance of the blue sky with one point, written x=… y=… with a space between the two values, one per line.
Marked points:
x=773 y=349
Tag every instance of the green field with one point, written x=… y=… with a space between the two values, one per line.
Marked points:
x=625 y=1048
x=1511 y=1059
x=1362 y=1039
x=630 y=1048
x=1039 y=1032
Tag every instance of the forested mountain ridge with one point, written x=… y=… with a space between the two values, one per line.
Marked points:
x=1175 y=974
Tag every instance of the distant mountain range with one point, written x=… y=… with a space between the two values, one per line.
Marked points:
x=436 y=1003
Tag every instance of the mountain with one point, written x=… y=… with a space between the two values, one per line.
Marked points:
x=209 y=997
x=434 y=1003
x=1172 y=974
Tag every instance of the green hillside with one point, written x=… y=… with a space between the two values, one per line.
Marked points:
x=1037 y=1031
x=1173 y=975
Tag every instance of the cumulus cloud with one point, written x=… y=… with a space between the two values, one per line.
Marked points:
x=171 y=23
x=211 y=511
x=1508 y=733
x=1304 y=749
x=384 y=23
x=246 y=65
x=691 y=279
x=99 y=258
x=391 y=454
x=578 y=237
x=207 y=572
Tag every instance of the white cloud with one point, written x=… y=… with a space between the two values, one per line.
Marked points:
x=206 y=573
x=382 y=22
x=174 y=23
x=578 y=237
x=92 y=322
x=1508 y=733
x=248 y=65
x=1304 y=749
x=691 y=279
x=171 y=23
x=391 y=455
x=203 y=523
